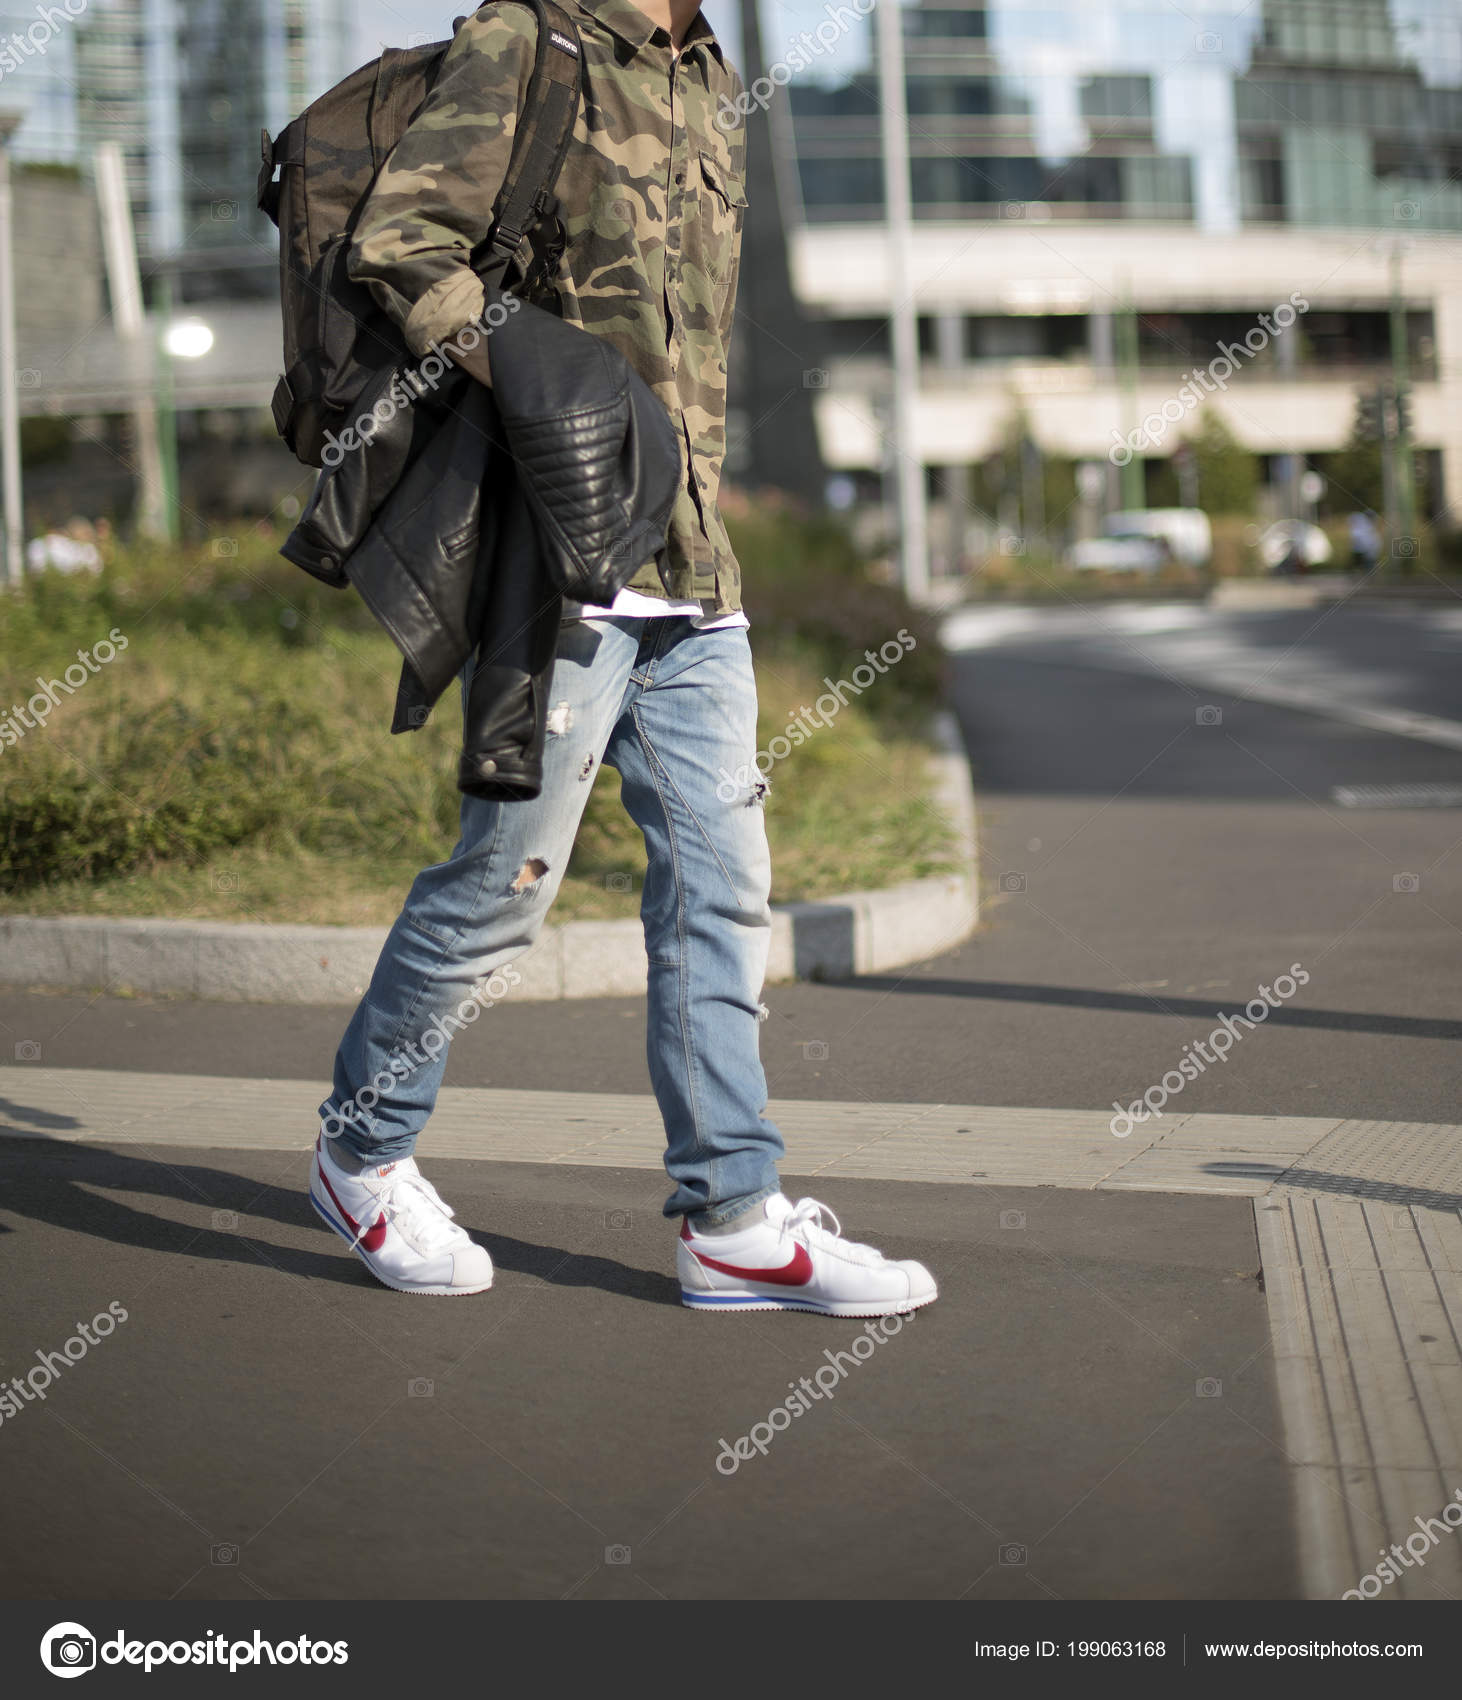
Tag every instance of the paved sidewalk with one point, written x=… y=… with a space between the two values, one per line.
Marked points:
x=1357 y=1221
x=1088 y=1413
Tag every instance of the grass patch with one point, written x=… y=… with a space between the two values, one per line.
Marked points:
x=232 y=761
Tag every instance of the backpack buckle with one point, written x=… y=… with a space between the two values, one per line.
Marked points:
x=267 y=198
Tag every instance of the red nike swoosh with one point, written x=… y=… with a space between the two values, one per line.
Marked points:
x=373 y=1238
x=797 y=1273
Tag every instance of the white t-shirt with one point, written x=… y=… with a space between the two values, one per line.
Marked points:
x=635 y=605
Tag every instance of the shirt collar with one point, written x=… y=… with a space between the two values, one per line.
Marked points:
x=630 y=24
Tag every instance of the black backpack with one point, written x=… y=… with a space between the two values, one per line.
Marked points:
x=335 y=333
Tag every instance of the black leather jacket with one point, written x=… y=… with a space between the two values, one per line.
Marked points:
x=470 y=514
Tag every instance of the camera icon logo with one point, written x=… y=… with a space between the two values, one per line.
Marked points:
x=419 y=1387
x=1210 y=1387
x=225 y=212
x=1012 y=1218
x=1012 y=884
x=28 y=378
x=814 y=1050
x=815 y=378
x=67 y=1650
x=1013 y=1553
x=1012 y=545
x=226 y=1221
x=618 y=882
x=619 y=1220
x=616 y=1555
x=1406 y=212
x=27 y=1050
x=1404 y=548
x=1208 y=42
x=1208 y=715
x=223 y=1552
x=222 y=879
x=225 y=546
x=1012 y=209
x=1400 y=882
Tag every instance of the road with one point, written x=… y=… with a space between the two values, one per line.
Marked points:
x=1155 y=849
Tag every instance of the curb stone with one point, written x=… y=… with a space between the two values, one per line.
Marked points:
x=859 y=932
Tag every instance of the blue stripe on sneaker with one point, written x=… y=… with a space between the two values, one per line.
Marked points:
x=697 y=1300
x=330 y=1219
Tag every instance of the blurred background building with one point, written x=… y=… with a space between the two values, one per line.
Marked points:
x=1104 y=192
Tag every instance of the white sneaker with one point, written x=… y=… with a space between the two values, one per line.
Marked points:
x=786 y=1259
x=396 y=1223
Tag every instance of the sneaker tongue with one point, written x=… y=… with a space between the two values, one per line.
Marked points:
x=778 y=1207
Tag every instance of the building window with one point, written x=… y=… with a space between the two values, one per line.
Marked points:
x=1116 y=97
x=944 y=23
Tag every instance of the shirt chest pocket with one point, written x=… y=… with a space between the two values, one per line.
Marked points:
x=722 y=207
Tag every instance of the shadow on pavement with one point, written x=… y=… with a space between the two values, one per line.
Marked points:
x=55 y=1183
x=1344 y=1186
x=1151 y=1003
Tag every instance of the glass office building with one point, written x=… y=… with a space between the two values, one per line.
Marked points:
x=1076 y=167
x=1308 y=112
x=36 y=74
x=185 y=86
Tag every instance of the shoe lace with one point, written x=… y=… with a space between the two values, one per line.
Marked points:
x=408 y=1197
x=811 y=1219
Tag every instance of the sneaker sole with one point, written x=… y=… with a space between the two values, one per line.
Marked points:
x=762 y=1301
x=386 y=1280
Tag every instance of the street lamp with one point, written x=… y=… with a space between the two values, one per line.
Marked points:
x=12 y=571
x=188 y=339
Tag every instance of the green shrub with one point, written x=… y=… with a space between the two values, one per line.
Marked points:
x=245 y=724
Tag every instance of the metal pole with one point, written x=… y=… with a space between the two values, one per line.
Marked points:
x=120 y=245
x=167 y=416
x=1403 y=477
x=1389 y=493
x=1134 y=492
x=14 y=567
x=898 y=231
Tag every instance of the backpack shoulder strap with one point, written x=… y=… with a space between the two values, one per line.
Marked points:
x=545 y=128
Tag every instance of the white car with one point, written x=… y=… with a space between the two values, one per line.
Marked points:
x=1117 y=555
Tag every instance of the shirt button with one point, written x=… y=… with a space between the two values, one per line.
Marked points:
x=489 y=767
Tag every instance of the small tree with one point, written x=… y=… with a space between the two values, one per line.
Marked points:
x=1228 y=475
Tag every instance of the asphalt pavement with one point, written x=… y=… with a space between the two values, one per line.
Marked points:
x=269 y=1423
x=1089 y=1411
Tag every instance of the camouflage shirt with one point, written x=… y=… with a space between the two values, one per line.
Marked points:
x=652 y=197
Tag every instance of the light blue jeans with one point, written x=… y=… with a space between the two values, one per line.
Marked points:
x=673 y=709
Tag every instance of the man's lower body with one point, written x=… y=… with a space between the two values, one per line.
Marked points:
x=672 y=708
